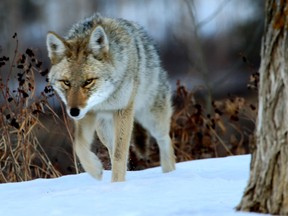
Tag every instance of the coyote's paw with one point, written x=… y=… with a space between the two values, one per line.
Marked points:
x=97 y=174
x=90 y=162
x=94 y=167
x=168 y=164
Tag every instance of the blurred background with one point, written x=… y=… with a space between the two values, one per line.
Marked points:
x=201 y=42
x=211 y=46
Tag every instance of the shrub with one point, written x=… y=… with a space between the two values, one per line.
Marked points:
x=21 y=155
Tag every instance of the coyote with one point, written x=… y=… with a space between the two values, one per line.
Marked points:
x=108 y=74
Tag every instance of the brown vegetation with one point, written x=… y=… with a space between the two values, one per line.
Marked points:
x=21 y=155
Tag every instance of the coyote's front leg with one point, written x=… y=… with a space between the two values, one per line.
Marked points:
x=123 y=128
x=84 y=134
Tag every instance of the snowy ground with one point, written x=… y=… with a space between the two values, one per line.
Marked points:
x=203 y=187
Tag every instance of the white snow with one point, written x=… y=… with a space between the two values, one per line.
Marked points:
x=201 y=187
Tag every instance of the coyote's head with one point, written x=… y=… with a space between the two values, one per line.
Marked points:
x=82 y=70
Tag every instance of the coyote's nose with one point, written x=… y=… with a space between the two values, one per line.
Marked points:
x=74 y=112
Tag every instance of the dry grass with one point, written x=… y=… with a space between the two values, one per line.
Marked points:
x=22 y=157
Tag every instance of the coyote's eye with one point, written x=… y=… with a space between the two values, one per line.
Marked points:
x=66 y=83
x=89 y=82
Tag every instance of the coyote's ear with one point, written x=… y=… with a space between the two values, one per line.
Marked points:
x=98 y=41
x=55 y=46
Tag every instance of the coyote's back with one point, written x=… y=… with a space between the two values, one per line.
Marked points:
x=107 y=72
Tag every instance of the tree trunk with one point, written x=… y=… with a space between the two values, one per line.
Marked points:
x=267 y=190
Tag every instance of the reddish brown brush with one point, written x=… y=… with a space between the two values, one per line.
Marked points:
x=197 y=134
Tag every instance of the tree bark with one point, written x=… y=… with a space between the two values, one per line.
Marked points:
x=267 y=190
